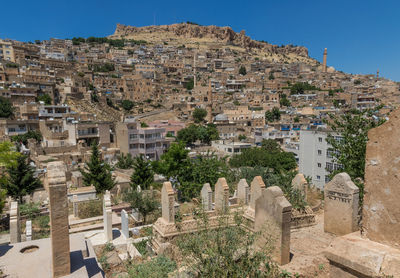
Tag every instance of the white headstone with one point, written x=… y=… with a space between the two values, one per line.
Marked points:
x=243 y=192
x=124 y=224
x=28 y=230
x=206 y=197
x=107 y=216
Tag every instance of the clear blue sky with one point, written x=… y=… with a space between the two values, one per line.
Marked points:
x=361 y=35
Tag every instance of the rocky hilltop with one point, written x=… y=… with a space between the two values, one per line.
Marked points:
x=204 y=34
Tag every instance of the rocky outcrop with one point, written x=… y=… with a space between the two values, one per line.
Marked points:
x=219 y=34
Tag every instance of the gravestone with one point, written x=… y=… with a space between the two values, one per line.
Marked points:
x=28 y=230
x=272 y=217
x=77 y=178
x=75 y=206
x=221 y=195
x=168 y=202
x=107 y=217
x=124 y=224
x=243 y=192
x=341 y=205
x=299 y=182
x=381 y=207
x=15 y=226
x=206 y=197
x=256 y=187
x=55 y=181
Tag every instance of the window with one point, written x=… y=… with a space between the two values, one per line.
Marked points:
x=320 y=139
x=318 y=177
x=327 y=179
x=319 y=152
x=319 y=165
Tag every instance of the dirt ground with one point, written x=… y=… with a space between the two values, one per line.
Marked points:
x=307 y=246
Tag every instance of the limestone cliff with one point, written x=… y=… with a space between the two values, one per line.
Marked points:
x=205 y=34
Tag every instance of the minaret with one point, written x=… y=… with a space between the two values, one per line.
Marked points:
x=209 y=106
x=324 y=60
x=377 y=74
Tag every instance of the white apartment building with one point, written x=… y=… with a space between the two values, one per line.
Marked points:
x=315 y=156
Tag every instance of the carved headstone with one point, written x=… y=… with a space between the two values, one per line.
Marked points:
x=221 y=194
x=107 y=217
x=272 y=216
x=341 y=205
x=256 y=187
x=28 y=230
x=381 y=211
x=15 y=226
x=168 y=202
x=299 y=182
x=75 y=205
x=55 y=181
x=243 y=192
x=206 y=197
x=124 y=224
x=77 y=178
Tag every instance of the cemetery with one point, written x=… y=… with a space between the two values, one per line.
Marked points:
x=103 y=234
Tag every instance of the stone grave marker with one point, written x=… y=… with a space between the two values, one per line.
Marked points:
x=206 y=197
x=221 y=194
x=55 y=181
x=243 y=192
x=107 y=217
x=15 y=225
x=341 y=205
x=272 y=216
x=168 y=202
x=124 y=224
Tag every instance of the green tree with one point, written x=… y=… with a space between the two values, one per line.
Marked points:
x=272 y=115
x=144 y=201
x=242 y=70
x=270 y=145
x=242 y=137
x=198 y=171
x=6 y=108
x=271 y=76
x=97 y=173
x=172 y=161
x=284 y=101
x=300 y=87
x=127 y=105
x=143 y=124
x=125 y=161
x=192 y=133
x=277 y=161
x=143 y=174
x=8 y=154
x=190 y=84
x=20 y=179
x=349 y=141
x=199 y=114
x=45 y=98
x=23 y=138
x=3 y=195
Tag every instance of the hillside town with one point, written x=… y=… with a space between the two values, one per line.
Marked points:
x=113 y=147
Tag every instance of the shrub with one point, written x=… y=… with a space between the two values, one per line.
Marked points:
x=29 y=209
x=159 y=267
x=90 y=208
